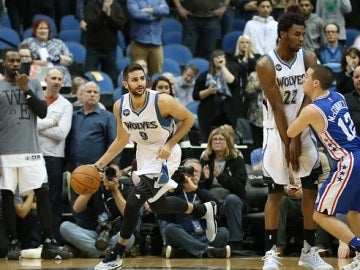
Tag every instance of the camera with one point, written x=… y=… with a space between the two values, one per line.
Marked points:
x=104 y=229
x=179 y=176
x=110 y=173
x=186 y=170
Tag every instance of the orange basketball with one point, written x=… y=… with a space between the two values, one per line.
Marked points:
x=85 y=180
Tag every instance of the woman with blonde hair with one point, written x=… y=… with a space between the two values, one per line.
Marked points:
x=243 y=62
x=225 y=175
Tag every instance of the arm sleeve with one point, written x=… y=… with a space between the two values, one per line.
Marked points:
x=36 y=105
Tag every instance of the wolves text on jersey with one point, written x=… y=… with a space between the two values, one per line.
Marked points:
x=141 y=125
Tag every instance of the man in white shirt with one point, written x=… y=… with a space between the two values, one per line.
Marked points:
x=53 y=130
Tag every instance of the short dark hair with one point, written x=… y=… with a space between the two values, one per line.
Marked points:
x=288 y=19
x=333 y=23
x=323 y=74
x=258 y=2
x=130 y=68
x=5 y=53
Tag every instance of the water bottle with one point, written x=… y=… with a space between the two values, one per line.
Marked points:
x=148 y=245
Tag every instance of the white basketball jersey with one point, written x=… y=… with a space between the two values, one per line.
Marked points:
x=289 y=78
x=150 y=131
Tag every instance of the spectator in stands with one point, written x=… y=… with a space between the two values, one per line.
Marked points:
x=26 y=219
x=92 y=129
x=226 y=17
x=76 y=82
x=248 y=8
x=20 y=14
x=53 y=130
x=201 y=23
x=104 y=210
x=353 y=99
x=184 y=84
x=103 y=19
x=262 y=28
x=50 y=52
x=255 y=108
x=214 y=88
x=331 y=53
x=27 y=61
x=349 y=61
x=279 y=7
x=163 y=85
x=334 y=11
x=80 y=13
x=314 y=25
x=79 y=102
x=225 y=175
x=184 y=233
x=243 y=61
x=146 y=31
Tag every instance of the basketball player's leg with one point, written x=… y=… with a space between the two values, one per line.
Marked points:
x=309 y=187
x=272 y=213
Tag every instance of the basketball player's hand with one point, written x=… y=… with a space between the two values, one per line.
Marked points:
x=343 y=250
x=164 y=152
x=22 y=81
x=295 y=152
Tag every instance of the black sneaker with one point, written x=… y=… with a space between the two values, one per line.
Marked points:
x=14 y=250
x=223 y=252
x=51 y=250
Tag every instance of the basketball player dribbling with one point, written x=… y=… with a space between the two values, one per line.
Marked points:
x=147 y=118
x=281 y=72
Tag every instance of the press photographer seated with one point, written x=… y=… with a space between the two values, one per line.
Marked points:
x=97 y=217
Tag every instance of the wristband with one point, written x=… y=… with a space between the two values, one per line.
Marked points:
x=98 y=168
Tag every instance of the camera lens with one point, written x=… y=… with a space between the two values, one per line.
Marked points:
x=110 y=173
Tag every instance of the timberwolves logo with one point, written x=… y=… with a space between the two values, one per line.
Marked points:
x=126 y=112
x=278 y=67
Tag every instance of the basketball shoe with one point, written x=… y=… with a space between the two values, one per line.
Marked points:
x=14 y=250
x=211 y=225
x=271 y=259
x=51 y=250
x=310 y=258
x=355 y=264
x=110 y=262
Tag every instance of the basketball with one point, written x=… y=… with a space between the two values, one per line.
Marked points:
x=85 y=180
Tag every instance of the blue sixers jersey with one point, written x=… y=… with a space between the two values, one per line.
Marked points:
x=339 y=193
x=339 y=136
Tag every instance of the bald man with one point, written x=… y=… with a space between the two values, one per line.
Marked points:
x=53 y=130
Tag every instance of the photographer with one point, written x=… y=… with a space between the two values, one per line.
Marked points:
x=185 y=235
x=98 y=217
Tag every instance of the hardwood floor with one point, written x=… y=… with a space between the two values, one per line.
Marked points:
x=143 y=263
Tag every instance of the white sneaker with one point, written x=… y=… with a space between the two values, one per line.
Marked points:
x=271 y=259
x=355 y=264
x=310 y=258
x=168 y=251
x=31 y=253
x=109 y=265
x=211 y=225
